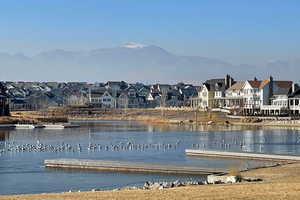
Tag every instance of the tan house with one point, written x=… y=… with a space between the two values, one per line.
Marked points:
x=102 y=97
x=211 y=93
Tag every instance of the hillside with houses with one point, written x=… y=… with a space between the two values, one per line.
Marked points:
x=255 y=97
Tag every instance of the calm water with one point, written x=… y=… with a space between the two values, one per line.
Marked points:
x=23 y=171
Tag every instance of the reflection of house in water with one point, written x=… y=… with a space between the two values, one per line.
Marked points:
x=4 y=135
x=248 y=140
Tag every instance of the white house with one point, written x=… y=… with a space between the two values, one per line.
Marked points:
x=294 y=102
x=251 y=96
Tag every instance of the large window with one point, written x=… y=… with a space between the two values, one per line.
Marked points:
x=292 y=102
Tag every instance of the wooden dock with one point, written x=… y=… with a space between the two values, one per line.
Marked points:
x=241 y=155
x=137 y=167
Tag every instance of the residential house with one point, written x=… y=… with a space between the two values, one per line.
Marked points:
x=294 y=102
x=19 y=104
x=116 y=85
x=160 y=88
x=187 y=92
x=212 y=93
x=280 y=100
x=143 y=91
x=173 y=98
x=153 y=100
x=4 y=101
x=248 y=97
x=129 y=98
x=102 y=97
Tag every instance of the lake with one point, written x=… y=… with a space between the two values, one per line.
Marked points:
x=22 y=152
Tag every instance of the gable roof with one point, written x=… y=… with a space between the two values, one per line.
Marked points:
x=258 y=84
x=215 y=84
x=219 y=84
x=284 y=84
x=237 y=86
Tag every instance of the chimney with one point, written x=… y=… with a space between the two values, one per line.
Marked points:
x=293 y=87
x=228 y=81
x=271 y=89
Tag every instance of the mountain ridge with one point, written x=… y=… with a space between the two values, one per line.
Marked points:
x=140 y=63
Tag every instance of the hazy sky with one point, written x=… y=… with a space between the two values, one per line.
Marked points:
x=238 y=31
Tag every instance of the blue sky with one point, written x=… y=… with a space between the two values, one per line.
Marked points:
x=239 y=31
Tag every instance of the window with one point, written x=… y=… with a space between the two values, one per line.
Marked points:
x=296 y=102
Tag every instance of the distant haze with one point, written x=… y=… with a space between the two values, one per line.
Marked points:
x=135 y=63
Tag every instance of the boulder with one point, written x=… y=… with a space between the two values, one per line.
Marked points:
x=129 y=188
x=147 y=185
x=249 y=179
x=213 y=179
x=167 y=184
x=177 y=184
x=155 y=186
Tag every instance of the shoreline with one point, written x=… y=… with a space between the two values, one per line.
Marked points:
x=154 y=116
x=279 y=182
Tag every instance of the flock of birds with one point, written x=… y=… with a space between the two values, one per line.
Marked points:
x=65 y=147
x=6 y=147
x=221 y=145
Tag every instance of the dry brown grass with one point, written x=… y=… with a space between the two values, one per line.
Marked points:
x=281 y=182
x=148 y=115
x=16 y=120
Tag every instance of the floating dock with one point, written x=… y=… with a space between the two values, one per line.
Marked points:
x=7 y=126
x=60 y=126
x=33 y=126
x=241 y=155
x=24 y=126
x=137 y=167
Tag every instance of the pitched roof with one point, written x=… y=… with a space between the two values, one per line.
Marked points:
x=237 y=86
x=284 y=84
x=215 y=84
x=263 y=83
x=258 y=84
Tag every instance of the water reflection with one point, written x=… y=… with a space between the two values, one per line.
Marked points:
x=4 y=134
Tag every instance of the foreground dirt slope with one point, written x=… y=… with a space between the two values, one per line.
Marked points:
x=279 y=183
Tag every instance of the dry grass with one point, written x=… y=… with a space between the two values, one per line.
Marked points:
x=17 y=120
x=148 y=115
x=281 y=182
